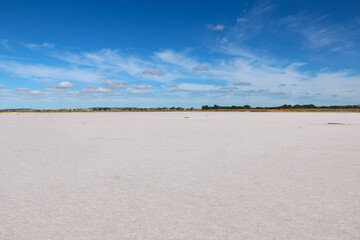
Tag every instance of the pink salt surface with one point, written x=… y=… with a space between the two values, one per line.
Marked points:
x=164 y=176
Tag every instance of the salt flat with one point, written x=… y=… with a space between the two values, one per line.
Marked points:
x=164 y=176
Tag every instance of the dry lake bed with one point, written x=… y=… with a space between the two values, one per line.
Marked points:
x=182 y=175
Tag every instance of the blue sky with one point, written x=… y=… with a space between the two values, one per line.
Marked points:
x=60 y=54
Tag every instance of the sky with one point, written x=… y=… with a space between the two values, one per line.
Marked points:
x=74 y=54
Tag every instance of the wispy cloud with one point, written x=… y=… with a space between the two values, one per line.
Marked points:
x=176 y=58
x=4 y=43
x=318 y=32
x=200 y=68
x=42 y=72
x=252 y=22
x=217 y=27
x=197 y=94
x=105 y=59
x=115 y=64
x=248 y=25
x=197 y=87
x=35 y=46
x=314 y=31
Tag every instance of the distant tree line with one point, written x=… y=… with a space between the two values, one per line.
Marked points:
x=141 y=109
x=100 y=109
x=285 y=106
x=161 y=109
x=216 y=107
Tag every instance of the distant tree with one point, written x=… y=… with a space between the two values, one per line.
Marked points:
x=285 y=106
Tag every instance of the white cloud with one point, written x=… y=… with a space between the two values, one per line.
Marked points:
x=242 y=84
x=143 y=87
x=28 y=93
x=197 y=94
x=197 y=87
x=217 y=27
x=266 y=91
x=95 y=89
x=232 y=76
x=173 y=88
x=21 y=90
x=224 y=90
x=91 y=92
x=138 y=93
x=64 y=85
x=116 y=85
x=154 y=72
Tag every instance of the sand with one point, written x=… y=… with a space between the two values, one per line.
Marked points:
x=165 y=176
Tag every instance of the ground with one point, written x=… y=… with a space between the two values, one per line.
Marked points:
x=181 y=175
